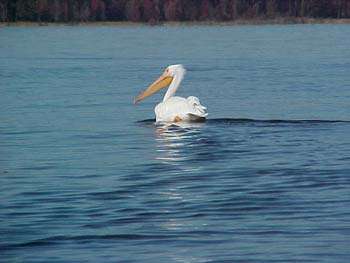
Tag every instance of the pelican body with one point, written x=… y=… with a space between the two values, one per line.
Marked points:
x=173 y=108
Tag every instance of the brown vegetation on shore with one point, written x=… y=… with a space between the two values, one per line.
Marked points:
x=155 y=11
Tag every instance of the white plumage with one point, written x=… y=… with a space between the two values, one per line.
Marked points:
x=176 y=108
x=173 y=108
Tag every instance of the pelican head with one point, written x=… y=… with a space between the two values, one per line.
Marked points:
x=169 y=74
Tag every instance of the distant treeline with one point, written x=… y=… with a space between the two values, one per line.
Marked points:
x=154 y=11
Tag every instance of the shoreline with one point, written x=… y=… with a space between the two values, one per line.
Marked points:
x=256 y=21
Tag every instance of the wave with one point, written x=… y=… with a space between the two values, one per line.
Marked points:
x=247 y=120
x=55 y=240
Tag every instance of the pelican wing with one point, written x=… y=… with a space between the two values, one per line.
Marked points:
x=197 y=108
x=177 y=108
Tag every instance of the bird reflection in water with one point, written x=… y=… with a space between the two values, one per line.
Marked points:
x=182 y=146
x=175 y=142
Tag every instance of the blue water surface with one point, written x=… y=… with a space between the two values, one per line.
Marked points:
x=86 y=176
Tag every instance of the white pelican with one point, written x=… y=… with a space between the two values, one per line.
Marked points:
x=174 y=109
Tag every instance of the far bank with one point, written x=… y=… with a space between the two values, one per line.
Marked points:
x=275 y=21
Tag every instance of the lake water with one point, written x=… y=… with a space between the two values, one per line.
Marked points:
x=86 y=176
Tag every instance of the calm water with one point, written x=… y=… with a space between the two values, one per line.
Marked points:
x=85 y=176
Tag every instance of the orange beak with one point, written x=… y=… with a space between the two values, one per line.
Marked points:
x=163 y=81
